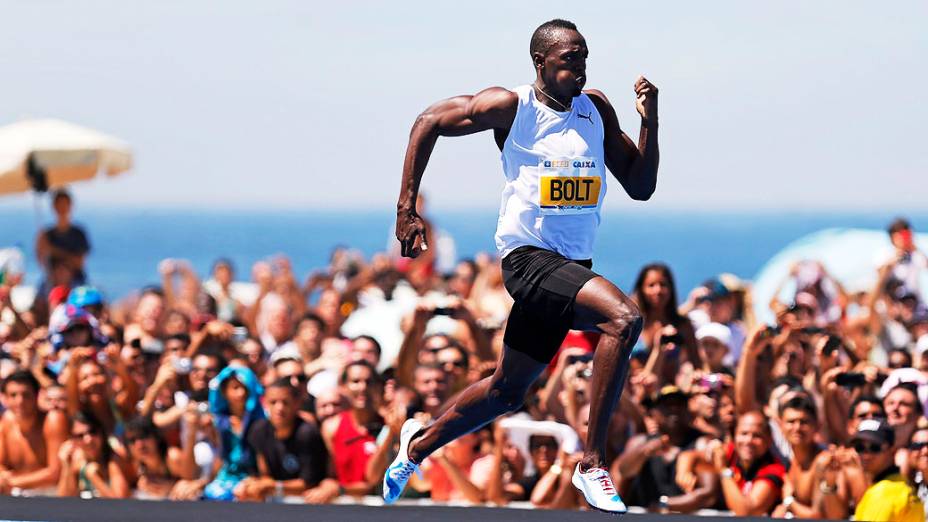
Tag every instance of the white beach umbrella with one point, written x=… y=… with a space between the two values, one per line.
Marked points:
x=48 y=153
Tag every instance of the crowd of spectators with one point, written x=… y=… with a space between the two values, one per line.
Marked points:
x=193 y=390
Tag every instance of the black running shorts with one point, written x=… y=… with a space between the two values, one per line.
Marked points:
x=544 y=285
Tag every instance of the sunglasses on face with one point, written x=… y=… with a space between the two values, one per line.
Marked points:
x=299 y=377
x=918 y=446
x=867 y=447
x=536 y=447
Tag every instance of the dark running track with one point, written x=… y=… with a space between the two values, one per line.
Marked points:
x=77 y=510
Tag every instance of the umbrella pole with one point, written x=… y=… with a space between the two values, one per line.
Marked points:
x=37 y=207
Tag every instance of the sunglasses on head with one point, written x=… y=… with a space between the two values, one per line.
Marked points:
x=867 y=447
x=918 y=446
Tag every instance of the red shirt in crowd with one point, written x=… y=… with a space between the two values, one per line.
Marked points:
x=351 y=449
x=767 y=468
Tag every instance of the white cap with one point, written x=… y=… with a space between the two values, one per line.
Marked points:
x=288 y=352
x=716 y=331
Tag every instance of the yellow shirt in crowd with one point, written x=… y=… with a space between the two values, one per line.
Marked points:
x=890 y=500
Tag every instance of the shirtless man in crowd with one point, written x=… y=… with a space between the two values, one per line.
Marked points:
x=29 y=437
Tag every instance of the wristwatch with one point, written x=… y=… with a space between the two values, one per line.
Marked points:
x=662 y=501
x=728 y=473
x=556 y=468
x=788 y=501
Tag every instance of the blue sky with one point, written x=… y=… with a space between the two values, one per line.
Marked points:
x=775 y=105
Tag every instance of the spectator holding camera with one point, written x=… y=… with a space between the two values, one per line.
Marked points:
x=647 y=470
x=415 y=342
x=508 y=479
x=90 y=387
x=220 y=288
x=656 y=295
x=906 y=262
x=148 y=320
x=89 y=466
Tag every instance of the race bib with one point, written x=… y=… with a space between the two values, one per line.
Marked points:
x=568 y=185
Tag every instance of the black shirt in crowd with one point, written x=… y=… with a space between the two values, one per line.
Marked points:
x=302 y=455
x=73 y=240
x=658 y=476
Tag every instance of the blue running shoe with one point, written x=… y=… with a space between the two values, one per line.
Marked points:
x=397 y=475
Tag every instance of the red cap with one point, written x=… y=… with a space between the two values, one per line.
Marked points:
x=58 y=295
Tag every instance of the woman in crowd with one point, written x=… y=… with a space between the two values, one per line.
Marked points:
x=90 y=388
x=751 y=476
x=235 y=403
x=667 y=334
x=156 y=468
x=89 y=467
x=741 y=396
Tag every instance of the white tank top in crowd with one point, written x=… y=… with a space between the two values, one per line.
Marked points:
x=555 y=178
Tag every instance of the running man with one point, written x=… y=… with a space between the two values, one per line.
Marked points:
x=555 y=140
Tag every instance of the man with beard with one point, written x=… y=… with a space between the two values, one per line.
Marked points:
x=647 y=467
x=292 y=458
x=29 y=438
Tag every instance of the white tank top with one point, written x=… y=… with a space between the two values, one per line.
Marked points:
x=555 y=178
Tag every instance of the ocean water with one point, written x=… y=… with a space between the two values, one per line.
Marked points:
x=128 y=243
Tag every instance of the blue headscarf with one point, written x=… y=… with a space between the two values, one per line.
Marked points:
x=218 y=405
x=237 y=455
